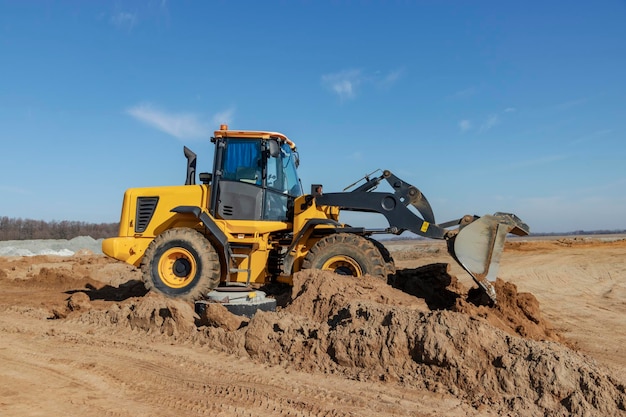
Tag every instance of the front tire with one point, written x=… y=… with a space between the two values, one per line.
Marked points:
x=390 y=265
x=346 y=254
x=181 y=263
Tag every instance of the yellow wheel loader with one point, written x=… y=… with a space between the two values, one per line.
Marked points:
x=249 y=222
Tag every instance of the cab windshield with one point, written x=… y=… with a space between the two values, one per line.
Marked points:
x=282 y=175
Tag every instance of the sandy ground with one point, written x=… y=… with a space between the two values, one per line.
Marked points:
x=79 y=335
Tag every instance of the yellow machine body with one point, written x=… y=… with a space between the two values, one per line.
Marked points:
x=130 y=245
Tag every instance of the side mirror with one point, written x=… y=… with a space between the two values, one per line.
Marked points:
x=206 y=177
x=316 y=190
x=274 y=148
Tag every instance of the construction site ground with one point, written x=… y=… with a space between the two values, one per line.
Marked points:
x=79 y=336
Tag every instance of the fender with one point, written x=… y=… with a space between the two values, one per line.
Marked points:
x=220 y=237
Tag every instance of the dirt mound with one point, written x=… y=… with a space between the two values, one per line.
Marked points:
x=515 y=313
x=317 y=293
x=153 y=314
x=426 y=331
x=54 y=277
x=49 y=270
x=352 y=333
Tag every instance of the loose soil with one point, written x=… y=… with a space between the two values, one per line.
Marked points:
x=80 y=335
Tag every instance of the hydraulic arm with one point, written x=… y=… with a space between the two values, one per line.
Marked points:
x=476 y=243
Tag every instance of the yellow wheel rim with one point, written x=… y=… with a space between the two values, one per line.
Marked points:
x=177 y=267
x=343 y=265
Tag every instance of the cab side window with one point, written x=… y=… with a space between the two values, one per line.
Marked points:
x=242 y=161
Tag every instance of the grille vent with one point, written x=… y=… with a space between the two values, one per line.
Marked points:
x=227 y=210
x=145 y=210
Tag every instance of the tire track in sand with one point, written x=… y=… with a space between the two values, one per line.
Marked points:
x=119 y=372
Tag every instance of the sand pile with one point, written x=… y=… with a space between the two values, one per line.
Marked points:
x=151 y=313
x=356 y=331
x=425 y=333
x=515 y=313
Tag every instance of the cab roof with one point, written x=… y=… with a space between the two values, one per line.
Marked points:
x=224 y=132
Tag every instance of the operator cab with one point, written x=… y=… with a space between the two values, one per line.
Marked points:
x=254 y=176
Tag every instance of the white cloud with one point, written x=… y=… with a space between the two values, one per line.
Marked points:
x=391 y=78
x=124 y=20
x=224 y=117
x=179 y=125
x=595 y=136
x=465 y=125
x=346 y=83
x=343 y=83
x=491 y=122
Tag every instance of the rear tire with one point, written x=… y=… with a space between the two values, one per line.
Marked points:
x=346 y=254
x=181 y=263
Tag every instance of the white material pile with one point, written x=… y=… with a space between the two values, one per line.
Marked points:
x=58 y=247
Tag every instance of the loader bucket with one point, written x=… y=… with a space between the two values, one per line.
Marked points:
x=478 y=246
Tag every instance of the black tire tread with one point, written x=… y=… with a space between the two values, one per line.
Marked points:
x=389 y=262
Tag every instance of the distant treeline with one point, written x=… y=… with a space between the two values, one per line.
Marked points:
x=574 y=233
x=23 y=229
x=582 y=232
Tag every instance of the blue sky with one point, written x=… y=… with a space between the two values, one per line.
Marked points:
x=485 y=106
